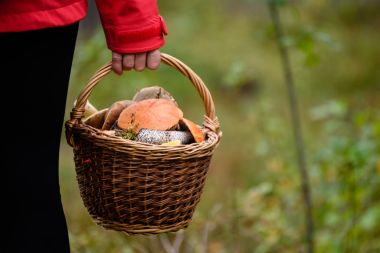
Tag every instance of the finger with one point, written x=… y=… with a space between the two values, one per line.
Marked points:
x=128 y=61
x=140 y=61
x=153 y=59
x=116 y=63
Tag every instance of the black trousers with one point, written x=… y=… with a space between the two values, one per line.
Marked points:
x=34 y=75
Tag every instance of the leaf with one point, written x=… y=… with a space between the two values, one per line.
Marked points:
x=127 y=134
x=195 y=130
x=157 y=114
x=370 y=218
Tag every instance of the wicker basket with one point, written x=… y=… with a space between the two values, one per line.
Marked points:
x=135 y=187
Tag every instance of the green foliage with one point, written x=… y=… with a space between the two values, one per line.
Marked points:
x=251 y=201
x=128 y=134
x=349 y=176
x=278 y=2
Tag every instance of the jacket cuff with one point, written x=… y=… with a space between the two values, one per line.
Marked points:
x=136 y=41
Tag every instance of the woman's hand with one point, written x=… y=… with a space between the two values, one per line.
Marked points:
x=137 y=61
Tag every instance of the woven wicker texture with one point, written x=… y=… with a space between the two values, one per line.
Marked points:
x=136 y=187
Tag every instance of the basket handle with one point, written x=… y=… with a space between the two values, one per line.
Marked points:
x=210 y=120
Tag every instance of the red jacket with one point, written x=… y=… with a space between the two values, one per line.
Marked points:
x=130 y=26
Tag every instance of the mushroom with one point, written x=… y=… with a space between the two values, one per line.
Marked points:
x=160 y=137
x=89 y=109
x=156 y=114
x=153 y=92
x=195 y=130
x=97 y=119
x=114 y=112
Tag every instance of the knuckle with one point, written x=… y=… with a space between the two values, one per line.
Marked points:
x=116 y=57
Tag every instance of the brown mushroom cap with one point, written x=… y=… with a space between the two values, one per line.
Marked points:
x=114 y=112
x=157 y=114
x=152 y=92
x=97 y=119
x=195 y=130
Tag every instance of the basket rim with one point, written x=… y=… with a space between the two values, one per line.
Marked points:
x=101 y=138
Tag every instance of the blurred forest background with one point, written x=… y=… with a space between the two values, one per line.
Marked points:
x=252 y=200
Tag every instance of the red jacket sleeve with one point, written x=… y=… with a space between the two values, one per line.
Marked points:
x=131 y=26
